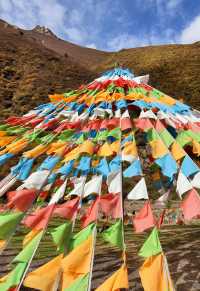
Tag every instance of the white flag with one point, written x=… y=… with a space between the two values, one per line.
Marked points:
x=36 y=180
x=125 y=115
x=147 y=114
x=114 y=182
x=196 y=181
x=93 y=186
x=78 y=186
x=183 y=184
x=59 y=193
x=118 y=113
x=139 y=191
x=162 y=199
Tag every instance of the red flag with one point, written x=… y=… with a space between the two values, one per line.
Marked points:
x=21 y=199
x=67 y=209
x=126 y=123
x=92 y=213
x=39 y=219
x=191 y=205
x=161 y=219
x=143 y=123
x=110 y=205
x=144 y=218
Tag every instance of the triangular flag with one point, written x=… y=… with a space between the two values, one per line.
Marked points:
x=139 y=191
x=81 y=236
x=13 y=278
x=8 y=224
x=183 y=184
x=39 y=219
x=59 y=193
x=191 y=205
x=78 y=186
x=113 y=182
x=25 y=255
x=133 y=170
x=151 y=246
x=119 y=280
x=114 y=234
x=91 y=214
x=44 y=277
x=196 y=181
x=110 y=205
x=80 y=284
x=154 y=276
x=144 y=218
x=68 y=209
x=93 y=186
x=61 y=235
x=77 y=263
x=21 y=199
x=36 y=180
x=188 y=167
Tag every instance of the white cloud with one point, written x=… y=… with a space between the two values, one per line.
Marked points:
x=75 y=34
x=191 y=32
x=91 y=45
x=27 y=14
x=124 y=41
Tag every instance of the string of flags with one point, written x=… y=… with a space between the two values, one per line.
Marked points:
x=77 y=160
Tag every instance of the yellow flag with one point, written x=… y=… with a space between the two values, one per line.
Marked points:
x=44 y=277
x=17 y=146
x=130 y=149
x=155 y=275
x=105 y=150
x=77 y=263
x=118 y=280
x=86 y=147
x=29 y=236
x=158 y=148
x=55 y=147
x=37 y=151
x=196 y=147
x=177 y=151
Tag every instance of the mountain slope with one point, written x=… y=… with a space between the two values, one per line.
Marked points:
x=174 y=69
x=34 y=63
x=29 y=72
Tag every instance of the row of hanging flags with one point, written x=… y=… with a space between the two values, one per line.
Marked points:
x=72 y=155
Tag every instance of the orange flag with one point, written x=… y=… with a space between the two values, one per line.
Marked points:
x=44 y=277
x=155 y=275
x=77 y=263
x=117 y=281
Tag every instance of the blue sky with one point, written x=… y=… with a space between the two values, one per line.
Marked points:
x=109 y=24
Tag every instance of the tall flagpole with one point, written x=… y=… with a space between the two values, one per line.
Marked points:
x=94 y=243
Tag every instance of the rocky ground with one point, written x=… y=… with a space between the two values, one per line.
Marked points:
x=180 y=244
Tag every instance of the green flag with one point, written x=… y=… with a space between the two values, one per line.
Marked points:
x=152 y=135
x=26 y=254
x=61 y=236
x=166 y=137
x=14 y=277
x=116 y=132
x=183 y=138
x=101 y=135
x=151 y=246
x=80 y=284
x=114 y=234
x=81 y=236
x=66 y=134
x=8 y=223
